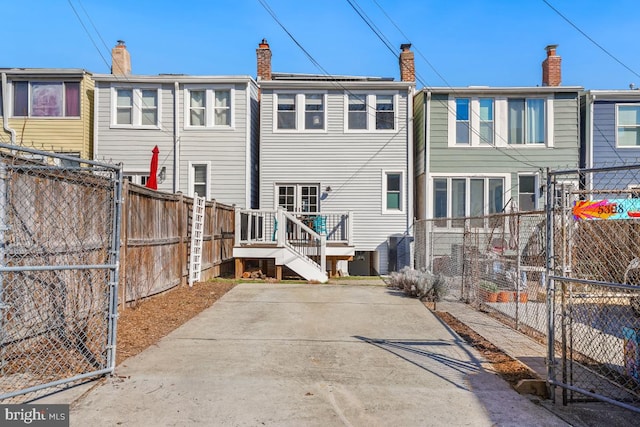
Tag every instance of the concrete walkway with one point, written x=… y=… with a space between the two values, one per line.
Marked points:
x=309 y=355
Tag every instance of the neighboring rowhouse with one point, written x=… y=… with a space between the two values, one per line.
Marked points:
x=610 y=137
x=337 y=150
x=48 y=109
x=206 y=128
x=480 y=148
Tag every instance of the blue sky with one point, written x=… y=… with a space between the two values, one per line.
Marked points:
x=457 y=43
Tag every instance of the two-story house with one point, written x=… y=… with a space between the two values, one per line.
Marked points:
x=205 y=127
x=610 y=136
x=48 y=109
x=338 y=149
x=484 y=150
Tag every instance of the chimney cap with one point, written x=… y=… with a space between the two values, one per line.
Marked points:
x=551 y=48
x=405 y=46
x=120 y=42
x=264 y=44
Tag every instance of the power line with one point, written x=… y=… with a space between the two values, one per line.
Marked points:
x=591 y=39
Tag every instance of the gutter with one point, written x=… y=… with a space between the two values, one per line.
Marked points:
x=5 y=109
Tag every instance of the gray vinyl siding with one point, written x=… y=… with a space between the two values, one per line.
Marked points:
x=224 y=149
x=350 y=163
x=563 y=154
x=255 y=147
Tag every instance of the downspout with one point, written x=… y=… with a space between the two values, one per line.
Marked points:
x=96 y=140
x=176 y=137
x=589 y=152
x=248 y=182
x=427 y=144
x=410 y=170
x=5 y=109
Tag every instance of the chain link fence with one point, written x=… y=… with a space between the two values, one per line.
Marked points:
x=594 y=280
x=495 y=263
x=59 y=249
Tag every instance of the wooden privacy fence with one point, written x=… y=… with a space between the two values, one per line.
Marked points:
x=155 y=240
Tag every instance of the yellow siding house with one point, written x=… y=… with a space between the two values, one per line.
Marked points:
x=48 y=109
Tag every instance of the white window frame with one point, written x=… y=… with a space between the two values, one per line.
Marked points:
x=207 y=164
x=371 y=109
x=506 y=179
x=137 y=107
x=209 y=106
x=500 y=121
x=137 y=177
x=403 y=196
x=297 y=194
x=300 y=111
x=536 y=190
x=624 y=147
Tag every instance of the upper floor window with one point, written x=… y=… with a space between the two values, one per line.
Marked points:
x=368 y=112
x=136 y=107
x=486 y=120
x=385 y=112
x=526 y=121
x=628 y=126
x=208 y=107
x=291 y=117
x=46 y=99
x=462 y=121
x=357 y=116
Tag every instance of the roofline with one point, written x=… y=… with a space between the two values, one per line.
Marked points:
x=615 y=93
x=45 y=72
x=171 y=78
x=505 y=90
x=334 y=84
x=326 y=77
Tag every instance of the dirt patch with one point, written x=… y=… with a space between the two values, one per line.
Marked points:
x=153 y=318
x=510 y=369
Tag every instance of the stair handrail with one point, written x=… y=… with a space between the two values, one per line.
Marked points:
x=283 y=216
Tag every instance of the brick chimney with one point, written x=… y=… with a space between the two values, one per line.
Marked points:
x=407 y=64
x=551 y=67
x=263 y=52
x=120 y=59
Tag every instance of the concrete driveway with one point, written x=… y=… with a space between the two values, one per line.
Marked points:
x=309 y=355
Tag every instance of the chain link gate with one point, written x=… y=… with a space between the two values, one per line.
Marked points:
x=593 y=278
x=59 y=256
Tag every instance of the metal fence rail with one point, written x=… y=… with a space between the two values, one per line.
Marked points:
x=59 y=252
x=594 y=273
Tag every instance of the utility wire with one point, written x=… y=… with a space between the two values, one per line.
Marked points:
x=591 y=39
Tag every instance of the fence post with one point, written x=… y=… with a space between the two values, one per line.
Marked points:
x=181 y=234
x=550 y=290
x=3 y=228
x=124 y=241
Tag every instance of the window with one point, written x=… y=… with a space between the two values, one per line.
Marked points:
x=286 y=111
x=208 y=107
x=136 y=107
x=302 y=111
x=527 y=194
x=526 y=121
x=357 y=118
x=139 y=178
x=486 y=120
x=462 y=120
x=392 y=185
x=460 y=197
x=199 y=177
x=46 y=99
x=385 y=116
x=298 y=197
x=628 y=125
x=314 y=111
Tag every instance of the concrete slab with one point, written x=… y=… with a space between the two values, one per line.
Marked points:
x=313 y=355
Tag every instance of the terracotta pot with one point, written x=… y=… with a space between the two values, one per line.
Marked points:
x=524 y=297
x=504 y=296
x=490 y=296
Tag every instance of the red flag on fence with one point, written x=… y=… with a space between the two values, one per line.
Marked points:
x=152 y=182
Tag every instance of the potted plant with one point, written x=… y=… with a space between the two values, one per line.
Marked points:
x=488 y=291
